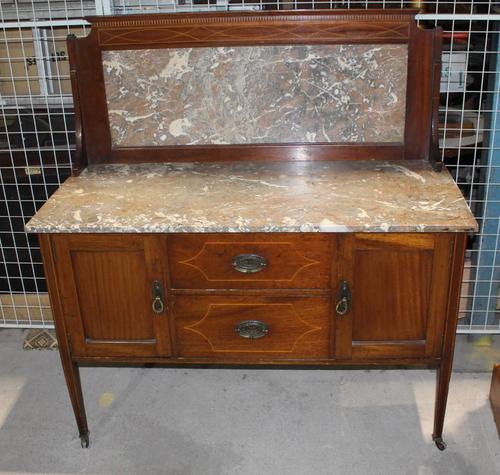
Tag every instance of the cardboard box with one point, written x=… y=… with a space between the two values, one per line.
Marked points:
x=35 y=62
x=18 y=73
x=26 y=307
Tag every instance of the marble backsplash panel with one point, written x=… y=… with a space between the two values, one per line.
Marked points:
x=258 y=94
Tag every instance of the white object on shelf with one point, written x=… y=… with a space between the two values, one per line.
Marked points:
x=453 y=72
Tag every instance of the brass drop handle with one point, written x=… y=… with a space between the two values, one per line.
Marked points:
x=251 y=329
x=249 y=263
x=344 y=299
x=158 y=306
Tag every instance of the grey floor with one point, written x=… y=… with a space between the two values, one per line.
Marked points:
x=205 y=421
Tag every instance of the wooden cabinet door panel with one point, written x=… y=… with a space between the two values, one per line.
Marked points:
x=391 y=294
x=106 y=287
x=399 y=290
x=113 y=284
x=297 y=327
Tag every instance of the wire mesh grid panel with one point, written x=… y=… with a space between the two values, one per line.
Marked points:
x=36 y=142
x=37 y=132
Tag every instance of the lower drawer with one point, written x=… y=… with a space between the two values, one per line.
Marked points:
x=252 y=328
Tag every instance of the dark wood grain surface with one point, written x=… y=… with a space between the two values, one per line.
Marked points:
x=294 y=261
x=298 y=327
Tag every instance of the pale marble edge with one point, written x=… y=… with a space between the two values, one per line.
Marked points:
x=470 y=226
x=232 y=230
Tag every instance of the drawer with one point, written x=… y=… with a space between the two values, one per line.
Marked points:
x=252 y=328
x=245 y=261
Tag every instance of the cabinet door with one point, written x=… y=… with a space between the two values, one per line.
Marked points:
x=106 y=288
x=399 y=293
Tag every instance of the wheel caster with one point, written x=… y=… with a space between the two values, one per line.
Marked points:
x=440 y=443
x=84 y=440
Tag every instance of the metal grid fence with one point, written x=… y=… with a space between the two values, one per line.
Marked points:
x=37 y=131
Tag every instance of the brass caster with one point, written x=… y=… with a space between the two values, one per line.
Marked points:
x=84 y=440
x=440 y=443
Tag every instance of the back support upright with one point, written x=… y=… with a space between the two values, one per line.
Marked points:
x=284 y=86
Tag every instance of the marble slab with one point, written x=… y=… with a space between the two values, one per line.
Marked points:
x=360 y=196
x=258 y=94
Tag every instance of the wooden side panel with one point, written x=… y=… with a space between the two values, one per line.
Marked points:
x=70 y=368
x=79 y=159
x=421 y=89
x=91 y=98
x=434 y=152
x=106 y=286
x=443 y=258
x=298 y=327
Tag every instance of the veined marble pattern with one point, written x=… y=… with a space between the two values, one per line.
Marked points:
x=351 y=196
x=258 y=94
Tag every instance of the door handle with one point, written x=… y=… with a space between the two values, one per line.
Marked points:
x=344 y=299
x=158 y=305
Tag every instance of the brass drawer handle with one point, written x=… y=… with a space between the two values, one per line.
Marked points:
x=251 y=329
x=158 y=306
x=249 y=263
x=344 y=299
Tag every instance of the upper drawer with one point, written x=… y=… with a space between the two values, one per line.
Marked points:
x=278 y=261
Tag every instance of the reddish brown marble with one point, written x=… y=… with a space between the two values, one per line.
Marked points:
x=258 y=94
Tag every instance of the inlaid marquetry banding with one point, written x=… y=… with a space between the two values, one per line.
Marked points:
x=210 y=332
x=291 y=255
x=227 y=19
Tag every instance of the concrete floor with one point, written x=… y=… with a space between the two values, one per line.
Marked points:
x=205 y=421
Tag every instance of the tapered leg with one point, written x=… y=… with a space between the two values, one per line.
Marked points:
x=444 y=371
x=442 y=385
x=72 y=375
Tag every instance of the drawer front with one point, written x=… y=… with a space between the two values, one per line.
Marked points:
x=252 y=328
x=248 y=261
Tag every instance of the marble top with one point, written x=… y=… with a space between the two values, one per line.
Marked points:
x=348 y=196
